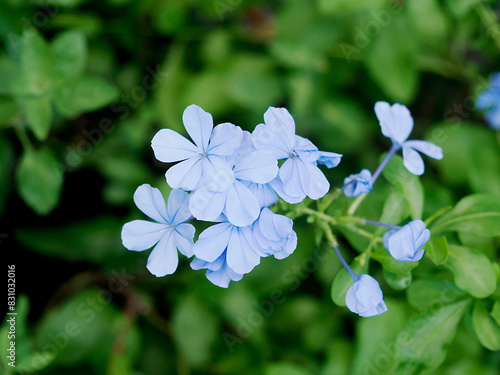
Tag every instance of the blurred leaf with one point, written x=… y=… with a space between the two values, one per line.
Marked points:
x=407 y=184
x=195 y=329
x=437 y=249
x=478 y=214
x=8 y=109
x=430 y=22
x=398 y=281
x=39 y=180
x=38 y=111
x=96 y=240
x=385 y=328
x=85 y=94
x=345 y=6
x=170 y=17
x=461 y=8
x=390 y=60
x=285 y=368
x=423 y=340
x=6 y=164
x=343 y=282
x=429 y=294
x=395 y=210
x=472 y=270
x=487 y=330
x=78 y=326
x=495 y=313
x=70 y=49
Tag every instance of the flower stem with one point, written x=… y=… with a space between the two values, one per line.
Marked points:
x=382 y=165
x=354 y=206
x=378 y=223
x=353 y=274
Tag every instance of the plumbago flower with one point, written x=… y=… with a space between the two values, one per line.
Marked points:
x=232 y=178
x=396 y=123
x=365 y=297
x=169 y=234
x=405 y=244
x=489 y=100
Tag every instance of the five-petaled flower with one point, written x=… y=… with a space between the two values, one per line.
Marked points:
x=169 y=234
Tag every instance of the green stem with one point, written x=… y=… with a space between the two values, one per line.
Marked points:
x=354 y=206
x=23 y=138
x=436 y=214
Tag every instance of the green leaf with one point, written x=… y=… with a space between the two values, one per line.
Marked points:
x=429 y=294
x=407 y=184
x=472 y=270
x=394 y=50
x=429 y=21
x=382 y=256
x=38 y=111
x=477 y=214
x=422 y=342
x=343 y=282
x=85 y=94
x=97 y=241
x=37 y=65
x=346 y=6
x=39 y=180
x=437 y=249
x=78 y=327
x=487 y=330
x=385 y=328
x=195 y=329
x=285 y=368
x=395 y=208
x=8 y=109
x=70 y=50
x=495 y=313
x=398 y=281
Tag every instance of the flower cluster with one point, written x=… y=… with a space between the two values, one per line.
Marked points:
x=229 y=177
x=396 y=123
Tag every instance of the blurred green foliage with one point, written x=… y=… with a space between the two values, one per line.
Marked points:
x=85 y=84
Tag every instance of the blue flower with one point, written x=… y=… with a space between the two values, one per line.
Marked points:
x=171 y=232
x=357 y=184
x=489 y=100
x=365 y=297
x=405 y=243
x=205 y=158
x=237 y=199
x=396 y=123
x=273 y=234
x=299 y=174
x=227 y=250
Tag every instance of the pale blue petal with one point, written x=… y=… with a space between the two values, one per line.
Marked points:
x=377 y=310
x=164 y=259
x=245 y=148
x=493 y=116
x=199 y=125
x=242 y=208
x=274 y=227
x=241 y=257
x=401 y=245
x=288 y=248
x=427 y=148
x=305 y=149
x=207 y=205
x=364 y=297
x=259 y=166
x=223 y=276
x=185 y=175
x=198 y=264
x=184 y=235
x=283 y=125
x=290 y=175
x=169 y=146
x=277 y=185
x=396 y=121
x=386 y=236
x=267 y=138
x=329 y=159
x=150 y=201
x=226 y=138
x=212 y=242
x=413 y=161
x=217 y=173
x=357 y=184
x=314 y=182
x=140 y=235
x=178 y=206
x=265 y=194
x=487 y=99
